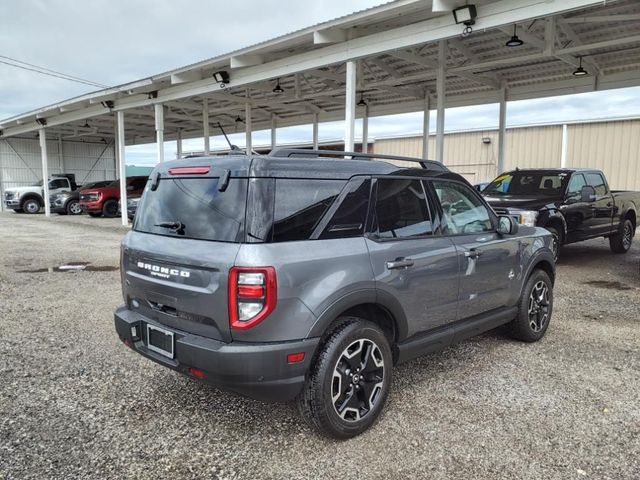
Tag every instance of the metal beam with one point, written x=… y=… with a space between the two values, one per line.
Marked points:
x=274 y=126
x=329 y=35
x=365 y=129
x=205 y=126
x=122 y=168
x=440 y=92
x=425 y=127
x=502 y=131
x=179 y=144
x=248 y=126
x=159 y=111
x=315 y=131
x=350 y=107
x=45 y=171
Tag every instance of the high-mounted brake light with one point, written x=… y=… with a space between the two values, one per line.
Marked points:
x=252 y=295
x=189 y=170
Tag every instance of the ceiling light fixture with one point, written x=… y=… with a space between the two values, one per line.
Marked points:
x=515 y=40
x=362 y=102
x=466 y=15
x=221 y=77
x=238 y=119
x=278 y=89
x=580 y=71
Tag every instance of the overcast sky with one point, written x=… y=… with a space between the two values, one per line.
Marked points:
x=117 y=41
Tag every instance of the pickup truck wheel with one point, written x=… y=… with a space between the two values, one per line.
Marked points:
x=555 y=245
x=622 y=240
x=31 y=206
x=110 y=208
x=349 y=381
x=73 y=207
x=534 y=309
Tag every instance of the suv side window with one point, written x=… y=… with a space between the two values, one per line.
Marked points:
x=463 y=211
x=300 y=205
x=575 y=185
x=349 y=217
x=597 y=182
x=401 y=209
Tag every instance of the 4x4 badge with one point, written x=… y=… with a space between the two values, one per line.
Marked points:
x=511 y=274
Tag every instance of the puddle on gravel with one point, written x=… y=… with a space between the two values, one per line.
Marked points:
x=72 y=267
x=610 y=285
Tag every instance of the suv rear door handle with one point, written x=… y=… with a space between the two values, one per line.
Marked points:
x=400 y=263
x=473 y=253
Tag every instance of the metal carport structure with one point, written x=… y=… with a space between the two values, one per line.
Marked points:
x=403 y=56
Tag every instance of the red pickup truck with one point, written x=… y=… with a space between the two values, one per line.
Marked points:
x=104 y=200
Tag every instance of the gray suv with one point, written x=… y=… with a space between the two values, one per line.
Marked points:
x=308 y=275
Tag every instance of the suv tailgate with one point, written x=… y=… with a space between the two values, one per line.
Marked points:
x=180 y=283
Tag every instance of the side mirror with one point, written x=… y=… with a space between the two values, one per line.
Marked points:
x=587 y=194
x=507 y=225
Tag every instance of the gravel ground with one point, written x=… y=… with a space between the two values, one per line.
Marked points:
x=76 y=403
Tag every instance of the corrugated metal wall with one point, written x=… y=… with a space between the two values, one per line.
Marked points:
x=20 y=161
x=613 y=147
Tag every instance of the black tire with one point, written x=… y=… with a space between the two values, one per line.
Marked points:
x=557 y=242
x=95 y=214
x=73 y=207
x=318 y=403
x=533 y=317
x=31 y=206
x=622 y=240
x=110 y=208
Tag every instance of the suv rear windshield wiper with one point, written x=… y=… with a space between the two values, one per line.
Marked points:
x=170 y=225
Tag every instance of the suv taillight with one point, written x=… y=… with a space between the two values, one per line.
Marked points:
x=252 y=295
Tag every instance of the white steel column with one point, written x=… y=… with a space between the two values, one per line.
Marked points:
x=425 y=127
x=315 y=131
x=365 y=130
x=350 y=107
x=502 y=131
x=247 y=123
x=205 y=126
x=116 y=152
x=274 y=126
x=159 y=132
x=45 y=171
x=179 y=144
x=122 y=169
x=440 y=90
x=565 y=146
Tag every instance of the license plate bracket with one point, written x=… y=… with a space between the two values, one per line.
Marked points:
x=160 y=341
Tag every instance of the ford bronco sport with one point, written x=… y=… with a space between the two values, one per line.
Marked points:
x=297 y=275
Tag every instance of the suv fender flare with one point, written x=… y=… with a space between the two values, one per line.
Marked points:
x=360 y=297
x=542 y=255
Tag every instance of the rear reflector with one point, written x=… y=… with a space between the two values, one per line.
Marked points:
x=295 y=357
x=196 y=372
x=189 y=170
x=252 y=295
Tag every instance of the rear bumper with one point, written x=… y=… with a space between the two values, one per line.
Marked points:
x=256 y=370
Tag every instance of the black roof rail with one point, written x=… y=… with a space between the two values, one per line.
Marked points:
x=302 y=152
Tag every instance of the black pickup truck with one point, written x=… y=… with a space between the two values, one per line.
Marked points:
x=573 y=204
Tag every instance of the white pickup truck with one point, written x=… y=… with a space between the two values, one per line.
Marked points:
x=30 y=199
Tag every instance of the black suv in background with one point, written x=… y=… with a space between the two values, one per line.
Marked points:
x=286 y=276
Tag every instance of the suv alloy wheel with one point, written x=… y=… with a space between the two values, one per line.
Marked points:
x=349 y=381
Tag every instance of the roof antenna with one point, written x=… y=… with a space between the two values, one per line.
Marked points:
x=232 y=148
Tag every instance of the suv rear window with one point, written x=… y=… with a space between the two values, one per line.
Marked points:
x=202 y=211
